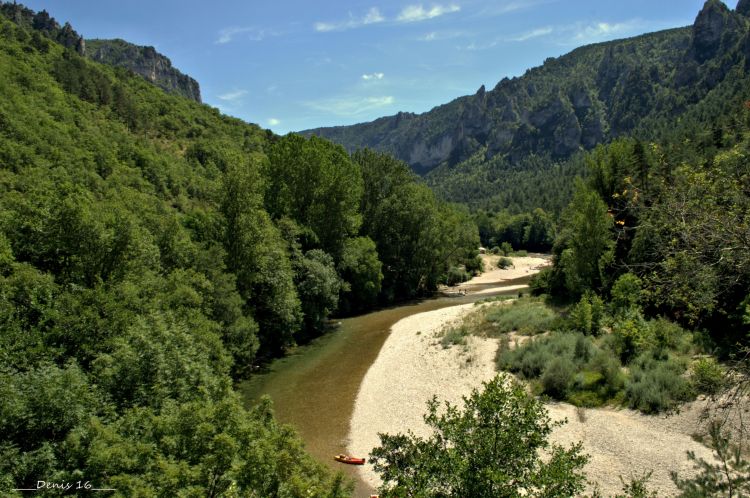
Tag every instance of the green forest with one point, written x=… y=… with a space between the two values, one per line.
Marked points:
x=153 y=251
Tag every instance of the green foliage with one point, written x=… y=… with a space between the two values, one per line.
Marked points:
x=454 y=336
x=587 y=371
x=506 y=248
x=504 y=263
x=362 y=275
x=525 y=316
x=495 y=446
x=456 y=276
x=316 y=184
x=557 y=378
x=318 y=287
x=588 y=314
x=626 y=293
x=657 y=384
x=587 y=238
x=707 y=376
x=418 y=237
x=631 y=336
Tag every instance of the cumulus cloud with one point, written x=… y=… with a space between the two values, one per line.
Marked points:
x=373 y=16
x=232 y=96
x=413 y=13
x=350 y=106
x=373 y=76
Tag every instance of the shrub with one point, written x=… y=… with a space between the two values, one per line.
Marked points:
x=504 y=263
x=532 y=359
x=558 y=377
x=657 y=385
x=631 y=335
x=669 y=335
x=524 y=315
x=613 y=380
x=474 y=265
x=588 y=314
x=626 y=293
x=454 y=336
x=540 y=282
x=707 y=376
x=495 y=250
x=580 y=316
x=456 y=275
x=506 y=249
x=520 y=254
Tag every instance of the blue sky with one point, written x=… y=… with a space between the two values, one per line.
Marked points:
x=290 y=65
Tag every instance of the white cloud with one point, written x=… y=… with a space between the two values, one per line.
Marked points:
x=226 y=35
x=373 y=76
x=350 y=106
x=603 y=31
x=534 y=33
x=441 y=35
x=474 y=46
x=413 y=13
x=373 y=16
x=232 y=96
x=273 y=122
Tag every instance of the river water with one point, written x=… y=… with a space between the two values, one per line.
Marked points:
x=315 y=387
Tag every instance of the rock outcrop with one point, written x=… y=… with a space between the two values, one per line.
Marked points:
x=713 y=21
x=145 y=61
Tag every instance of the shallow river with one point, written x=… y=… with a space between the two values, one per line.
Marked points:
x=314 y=388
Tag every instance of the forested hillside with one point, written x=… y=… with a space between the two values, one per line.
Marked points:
x=152 y=251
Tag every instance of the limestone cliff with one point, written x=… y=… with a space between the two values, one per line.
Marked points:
x=145 y=61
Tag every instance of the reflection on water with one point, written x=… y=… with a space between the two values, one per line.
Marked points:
x=314 y=388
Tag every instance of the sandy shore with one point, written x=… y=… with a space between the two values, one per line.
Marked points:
x=412 y=367
x=521 y=267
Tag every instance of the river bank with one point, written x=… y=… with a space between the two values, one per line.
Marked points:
x=314 y=388
x=412 y=366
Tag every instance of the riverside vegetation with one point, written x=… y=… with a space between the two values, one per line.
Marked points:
x=153 y=252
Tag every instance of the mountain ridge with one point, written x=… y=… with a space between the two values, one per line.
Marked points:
x=574 y=102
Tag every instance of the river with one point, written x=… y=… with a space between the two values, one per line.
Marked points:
x=315 y=387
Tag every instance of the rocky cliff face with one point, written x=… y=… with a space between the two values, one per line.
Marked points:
x=145 y=61
x=570 y=103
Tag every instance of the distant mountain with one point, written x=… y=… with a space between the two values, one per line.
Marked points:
x=571 y=103
x=145 y=61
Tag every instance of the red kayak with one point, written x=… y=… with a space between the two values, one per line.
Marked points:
x=349 y=459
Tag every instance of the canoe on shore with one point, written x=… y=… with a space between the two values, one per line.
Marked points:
x=349 y=459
